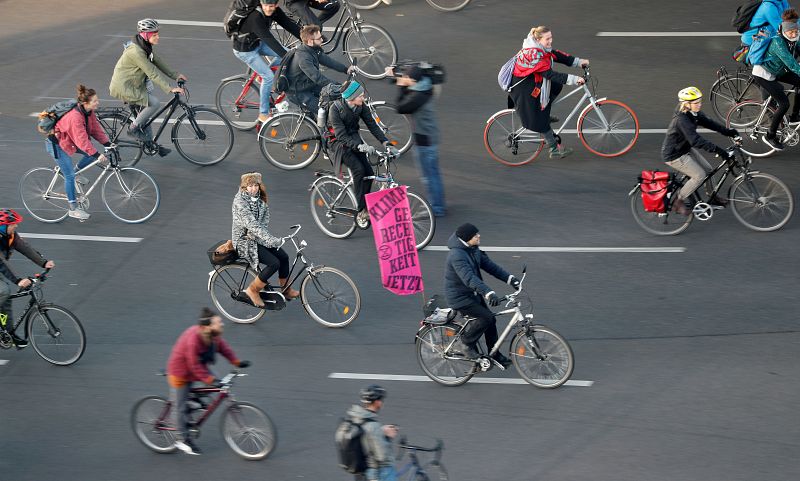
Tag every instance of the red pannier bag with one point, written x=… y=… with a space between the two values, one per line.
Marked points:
x=653 y=184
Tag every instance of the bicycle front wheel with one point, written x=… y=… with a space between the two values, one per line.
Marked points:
x=290 y=141
x=761 y=202
x=508 y=142
x=542 y=357
x=448 y=5
x=330 y=297
x=56 y=335
x=608 y=129
x=131 y=195
x=203 y=136
x=431 y=344
x=115 y=125
x=752 y=125
x=241 y=107
x=422 y=218
x=334 y=211
x=248 y=431
x=658 y=223
x=396 y=126
x=364 y=4
x=150 y=424
x=372 y=47
x=42 y=193
x=225 y=285
x=729 y=91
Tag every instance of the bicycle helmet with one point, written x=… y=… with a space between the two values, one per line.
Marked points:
x=690 y=94
x=372 y=393
x=147 y=25
x=9 y=216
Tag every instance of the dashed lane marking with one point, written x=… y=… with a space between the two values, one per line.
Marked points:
x=474 y=380
x=93 y=238
x=3 y=362
x=650 y=250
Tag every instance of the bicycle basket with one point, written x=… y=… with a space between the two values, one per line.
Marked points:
x=222 y=253
x=654 y=185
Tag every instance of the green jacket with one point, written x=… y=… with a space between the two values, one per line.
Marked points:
x=778 y=59
x=133 y=67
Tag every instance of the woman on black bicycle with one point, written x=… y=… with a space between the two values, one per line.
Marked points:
x=254 y=242
x=680 y=148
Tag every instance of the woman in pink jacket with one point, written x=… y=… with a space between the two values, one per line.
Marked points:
x=73 y=134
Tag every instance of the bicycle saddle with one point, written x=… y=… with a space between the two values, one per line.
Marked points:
x=441 y=316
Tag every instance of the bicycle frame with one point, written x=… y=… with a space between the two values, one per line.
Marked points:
x=386 y=181
x=413 y=462
x=35 y=302
x=224 y=393
x=113 y=166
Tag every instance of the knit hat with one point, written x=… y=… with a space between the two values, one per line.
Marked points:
x=789 y=25
x=250 y=178
x=467 y=231
x=352 y=90
x=269 y=2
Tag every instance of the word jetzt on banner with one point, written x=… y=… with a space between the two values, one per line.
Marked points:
x=393 y=230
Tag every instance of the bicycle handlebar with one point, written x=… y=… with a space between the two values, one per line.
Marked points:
x=35 y=279
x=403 y=444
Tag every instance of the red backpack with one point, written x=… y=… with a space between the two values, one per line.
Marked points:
x=653 y=184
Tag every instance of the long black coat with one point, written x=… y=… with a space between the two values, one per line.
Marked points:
x=528 y=107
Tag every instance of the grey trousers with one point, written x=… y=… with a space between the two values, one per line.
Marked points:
x=153 y=104
x=178 y=418
x=694 y=166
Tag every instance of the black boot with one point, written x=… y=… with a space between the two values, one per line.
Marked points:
x=504 y=361
x=19 y=342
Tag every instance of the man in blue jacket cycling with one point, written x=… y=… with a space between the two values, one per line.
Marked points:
x=466 y=292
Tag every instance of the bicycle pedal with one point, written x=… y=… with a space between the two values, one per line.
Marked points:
x=497 y=364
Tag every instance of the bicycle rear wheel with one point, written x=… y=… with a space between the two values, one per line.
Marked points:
x=422 y=218
x=290 y=141
x=150 y=424
x=204 y=138
x=396 y=126
x=373 y=47
x=609 y=128
x=729 y=91
x=431 y=344
x=364 y=4
x=761 y=202
x=225 y=284
x=115 y=124
x=337 y=221
x=658 y=223
x=132 y=196
x=239 y=107
x=330 y=297
x=508 y=142
x=542 y=357
x=56 y=335
x=448 y=5
x=744 y=117
x=248 y=431
x=42 y=193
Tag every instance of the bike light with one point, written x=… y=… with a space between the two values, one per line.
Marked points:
x=346 y=310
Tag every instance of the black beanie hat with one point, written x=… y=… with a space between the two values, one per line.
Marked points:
x=467 y=231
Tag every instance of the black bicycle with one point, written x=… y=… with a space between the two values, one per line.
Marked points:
x=413 y=470
x=201 y=135
x=54 y=332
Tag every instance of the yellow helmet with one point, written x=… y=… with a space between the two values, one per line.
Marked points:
x=689 y=94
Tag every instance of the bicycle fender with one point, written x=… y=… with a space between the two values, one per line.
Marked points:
x=320 y=179
x=589 y=106
x=633 y=191
x=498 y=113
x=378 y=102
x=210 y=274
x=234 y=77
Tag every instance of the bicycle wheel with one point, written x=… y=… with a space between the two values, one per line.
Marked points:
x=761 y=202
x=658 y=223
x=42 y=193
x=729 y=91
x=330 y=297
x=431 y=344
x=374 y=49
x=448 y=5
x=284 y=37
x=205 y=138
x=56 y=335
x=150 y=423
x=508 y=142
x=115 y=125
x=225 y=284
x=744 y=118
x=397 y=128
x=248 y=431
x=422 y=218
x=364 y=4
x=542 y=357
x=132 y=196
x=240 y=107
x=608 y=129
x=337 y=221
x=432 y=471
x=290 y=141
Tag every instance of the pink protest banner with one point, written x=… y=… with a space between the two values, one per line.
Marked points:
x=394 y=240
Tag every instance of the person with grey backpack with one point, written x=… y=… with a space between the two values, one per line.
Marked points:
x=364 y=444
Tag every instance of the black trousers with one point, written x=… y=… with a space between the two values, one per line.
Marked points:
x=775 y=88
x=274 y=260
x=358 y=164
x=302 y=10
x=484 y=323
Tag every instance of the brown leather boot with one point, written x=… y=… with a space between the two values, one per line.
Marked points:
x=252 y=292
x=288 y=292
x=679 y=206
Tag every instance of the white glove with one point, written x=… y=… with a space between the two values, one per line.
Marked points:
x=366 y=148
x=393 y=151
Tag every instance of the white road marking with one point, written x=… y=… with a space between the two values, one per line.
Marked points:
x=3 y=362
x=651 y=250
x=668 y=34
x=93 y=238
x=193 y=23
x=474 y=380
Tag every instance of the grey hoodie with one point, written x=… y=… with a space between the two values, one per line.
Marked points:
x=377 y=446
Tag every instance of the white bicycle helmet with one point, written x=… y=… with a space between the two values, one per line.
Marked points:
x=147 y=25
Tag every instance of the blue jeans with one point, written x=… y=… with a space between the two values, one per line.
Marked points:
x=387 y=473
x=428 y=162
x=65 y=164
x=255 y=60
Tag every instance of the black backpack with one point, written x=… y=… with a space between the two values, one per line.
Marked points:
x=235 y=15
x=744 y=15
x=280 y=83
x=352 y=457
x=435 y=71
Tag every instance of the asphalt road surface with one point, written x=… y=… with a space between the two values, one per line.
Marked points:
x=692 y=353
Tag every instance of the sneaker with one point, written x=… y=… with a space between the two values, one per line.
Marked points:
x=501 y=359
x=362 y=219
x=263 y=118
x=559 y=152
x=680 y=207
x=19 y=342
x=163 y=151
x=188 y=447
x=137 y=133
x=79 y=213
x=772 y=141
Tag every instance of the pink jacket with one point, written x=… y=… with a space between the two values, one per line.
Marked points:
x=73 y=131
x=184 y=363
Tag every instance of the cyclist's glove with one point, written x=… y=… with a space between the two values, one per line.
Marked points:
x=727 y=154
x=393 y=151
x=366 y=149
x=735 y=134
x=244 y=364
x=492 y=299
x=513 y=282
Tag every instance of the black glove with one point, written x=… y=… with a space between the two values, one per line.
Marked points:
x=735 y=133
x=513 y=282
x=492 y=299
x=727 y=154
x=244 y=364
